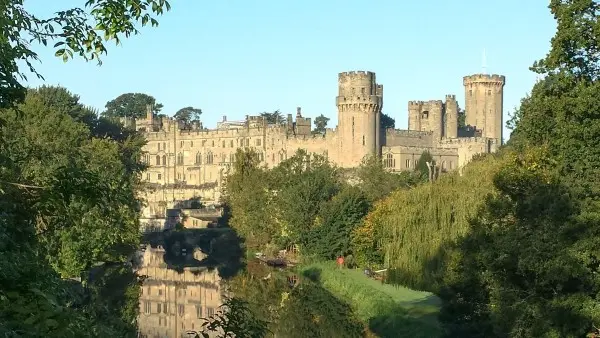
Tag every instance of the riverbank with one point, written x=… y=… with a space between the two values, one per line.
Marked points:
x=388 y=310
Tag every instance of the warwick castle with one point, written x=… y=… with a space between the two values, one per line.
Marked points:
x=186 y=161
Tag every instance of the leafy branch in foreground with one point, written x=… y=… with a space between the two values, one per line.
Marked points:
x=77 y=31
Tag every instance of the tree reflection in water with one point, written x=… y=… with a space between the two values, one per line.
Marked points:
x=188 y=273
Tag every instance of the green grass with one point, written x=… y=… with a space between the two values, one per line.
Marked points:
x=388 y=310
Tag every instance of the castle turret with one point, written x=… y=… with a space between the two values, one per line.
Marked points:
x=358 y=105
x=484 y=96
x=451 y=117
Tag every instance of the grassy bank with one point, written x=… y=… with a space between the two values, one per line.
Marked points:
x=389 y=311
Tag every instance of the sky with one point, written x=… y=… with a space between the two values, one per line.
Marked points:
x=238 y=58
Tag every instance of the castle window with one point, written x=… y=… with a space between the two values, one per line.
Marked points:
x=198 y=158
x=179 y=176
x=181 y=144
x=451 y=165
x=157 y=160
x=198 y=311
x=159 y=177
x=407 y=163
x=203 y=143
x=362 y=90
x=191 y=144
x=489 y=93
x=180 y=158
x=247 y=142
x=257 y=141
x=159 y=147
x=363 y=140
x=416 y=162
x=443 y=165
x=222 y=158
x=164 y=160
x=231 y=158
x=209 y=158
x=223 y=144
x=389 y=161
x=148 y=177
x=231 y=143
x=273 y=157
x=470 y=92
x=213 y=143
x=181 y=310
x=425 y=115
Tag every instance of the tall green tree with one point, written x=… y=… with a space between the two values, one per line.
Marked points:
x=131 y=105
x=273 y=118
x=387 y=122
x=301 y=185
x=81 y=31
x=376 y=182
x=320 y=124
x=188 y=114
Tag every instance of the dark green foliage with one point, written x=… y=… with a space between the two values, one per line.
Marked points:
x=273 y=118
x=421 y=167
x=69 y=202
x=188 y=114
x=337 y=219
x=234 y=319
x=377 y=183
x=320 y=124
x=131 y=105
x=303 y=183
x=529 y=265
x=387 y=122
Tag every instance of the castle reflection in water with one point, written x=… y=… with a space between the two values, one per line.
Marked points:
x=172 y=303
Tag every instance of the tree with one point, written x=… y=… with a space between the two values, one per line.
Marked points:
x=131 y=105
x=387 y=122
x=422 y=168
x=462 y=116
x=273 y=118
x=320 y=124
x=188 y=114
x=74 y=31
x=335 y=222
x=376 y=182
x=302 y=184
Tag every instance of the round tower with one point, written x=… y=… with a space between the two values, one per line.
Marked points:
x=359 y=104
x=484 y=98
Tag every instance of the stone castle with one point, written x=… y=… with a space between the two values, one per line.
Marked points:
x=190 y=161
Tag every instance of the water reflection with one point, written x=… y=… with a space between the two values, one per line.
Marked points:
x=171 y=302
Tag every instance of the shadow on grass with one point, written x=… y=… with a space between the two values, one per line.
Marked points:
x=387 y=317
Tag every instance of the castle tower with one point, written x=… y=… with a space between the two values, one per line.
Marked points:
x=426 y=116
x=451 y=117
x=484 y=96
x=414 y=115
x=359 y=104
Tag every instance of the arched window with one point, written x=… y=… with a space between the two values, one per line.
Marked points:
x=209 y=158
x=164 y=160
x=157 y=160
x=198 y=158
x=180 y=158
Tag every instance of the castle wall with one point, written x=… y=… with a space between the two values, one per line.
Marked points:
x=405 y=158
x=411 y=138
x=466 y=148
x=426 y=116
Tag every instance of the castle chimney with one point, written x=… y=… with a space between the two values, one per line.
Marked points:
x=149 y=113
x=298 y=112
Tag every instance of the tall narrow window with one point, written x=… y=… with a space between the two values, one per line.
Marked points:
x=180 y=158
x=198 y=158
x=164 y=160
x=157 y=160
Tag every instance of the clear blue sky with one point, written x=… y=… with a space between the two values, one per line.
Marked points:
x=244 y=57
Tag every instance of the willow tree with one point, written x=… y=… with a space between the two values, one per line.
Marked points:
x=410 y=227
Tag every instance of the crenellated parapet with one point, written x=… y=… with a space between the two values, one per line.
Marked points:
x=484 y=79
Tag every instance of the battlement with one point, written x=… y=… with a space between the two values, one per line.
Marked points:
x=418 y=104
x=450 y=97
x=415 y=104
x=484 y=78
x=356 y=73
